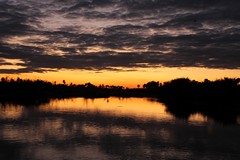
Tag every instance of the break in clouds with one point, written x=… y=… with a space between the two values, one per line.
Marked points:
x=46 y=35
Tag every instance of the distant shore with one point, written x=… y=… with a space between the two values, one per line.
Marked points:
x=182 y=96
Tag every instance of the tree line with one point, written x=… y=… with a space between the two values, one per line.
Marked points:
x=182 y=96
x=178 y=89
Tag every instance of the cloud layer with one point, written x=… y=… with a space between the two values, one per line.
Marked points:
x=118 y=34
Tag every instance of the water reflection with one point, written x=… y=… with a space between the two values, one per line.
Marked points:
x=8 y=111
x=132 y=128
x=137 y=108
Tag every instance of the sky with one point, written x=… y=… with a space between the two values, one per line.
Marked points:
x=119 y=42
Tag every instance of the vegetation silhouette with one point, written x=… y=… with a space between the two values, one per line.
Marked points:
x=217 y=99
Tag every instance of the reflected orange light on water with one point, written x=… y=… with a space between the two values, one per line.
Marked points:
x=197 y=117
x=137 y=108
x=141 y=108
x=11 y=111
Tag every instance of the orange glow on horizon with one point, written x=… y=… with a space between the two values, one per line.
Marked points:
x=128 y=78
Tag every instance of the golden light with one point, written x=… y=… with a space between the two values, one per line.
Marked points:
x=139 y=108
x=129 y=77
x=11 y=63
x=11 y=111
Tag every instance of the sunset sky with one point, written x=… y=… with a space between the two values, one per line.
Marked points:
x=120 y=42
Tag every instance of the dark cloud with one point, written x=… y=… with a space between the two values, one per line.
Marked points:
x=118 y=34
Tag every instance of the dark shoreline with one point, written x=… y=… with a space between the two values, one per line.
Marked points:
x=217 y=99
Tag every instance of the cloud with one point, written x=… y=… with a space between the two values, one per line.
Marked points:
x=119 y=34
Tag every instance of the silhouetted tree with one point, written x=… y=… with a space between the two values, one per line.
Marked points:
x=151 y=85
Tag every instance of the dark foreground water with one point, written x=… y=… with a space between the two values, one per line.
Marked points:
x=113 y=128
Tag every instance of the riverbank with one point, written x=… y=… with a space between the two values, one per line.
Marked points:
x=182 y=96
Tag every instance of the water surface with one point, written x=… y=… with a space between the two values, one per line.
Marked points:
x=111 y=128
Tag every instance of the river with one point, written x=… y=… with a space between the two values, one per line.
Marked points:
x=111 y=128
